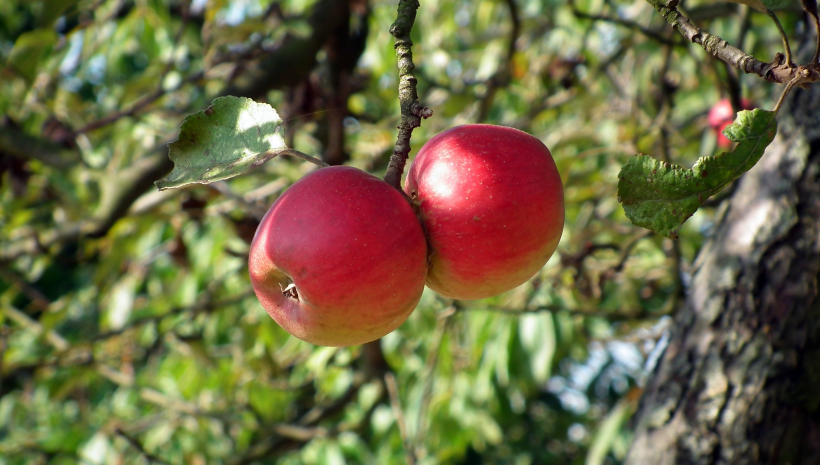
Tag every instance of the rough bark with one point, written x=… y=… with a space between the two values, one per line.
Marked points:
x=738 y=382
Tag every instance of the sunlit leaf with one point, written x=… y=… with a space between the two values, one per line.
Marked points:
x=29 y=50
x=232 y=136
x=537 y=332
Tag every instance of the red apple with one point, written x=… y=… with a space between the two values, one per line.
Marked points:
x=721 y=115
x=339 y=259
x=492 y=205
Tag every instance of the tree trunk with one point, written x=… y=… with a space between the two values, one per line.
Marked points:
x=739 y=382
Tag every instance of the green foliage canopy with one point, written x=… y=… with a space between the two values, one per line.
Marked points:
x=128 y=330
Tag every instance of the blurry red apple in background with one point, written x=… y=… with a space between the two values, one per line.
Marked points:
x=339 y=259
x=721 y=115
x=492 y=205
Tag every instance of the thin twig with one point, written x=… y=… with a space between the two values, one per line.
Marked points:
x=810 y=6
x=799 y=79
x=411 y=110
x=4 y=330
x=623 y=315
x=627 y=251
x=37 y=298
x=654 y=35
x=121 y=190
x=51 y=336
x=139 y=105
x=783 y=36
x=665 y=101
x=202 y=305
x=150 y=98
x=270 y=445
x=429 y=374
x=395 y=403
x=721 y=49
x=249 y=207
x=151 y=458
x=303 y=156
x=16 y=143
x=62 y=345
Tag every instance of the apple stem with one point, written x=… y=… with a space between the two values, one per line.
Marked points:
x=411 y=110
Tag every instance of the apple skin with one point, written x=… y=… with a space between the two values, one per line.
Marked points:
x=721 y=115
x=355 y=251
x=492 y=205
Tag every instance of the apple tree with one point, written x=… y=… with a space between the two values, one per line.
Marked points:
x=142 y=143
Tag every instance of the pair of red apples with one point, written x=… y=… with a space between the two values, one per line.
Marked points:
x=341 y=258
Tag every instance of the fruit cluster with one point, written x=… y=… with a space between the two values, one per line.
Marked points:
x=341 y=258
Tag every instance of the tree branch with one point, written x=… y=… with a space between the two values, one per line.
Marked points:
x=150 y=458
x=4 y=332
x=411 y=110
x=203 y=305
x=429 y=372
x=37 y=298
x=622 y=315
x=303 y=429
x=395 y=403
x=16 y=143
x=118 y=192
x=139 y=104
x=51 y=336
x=774 y=72
x=652 y=34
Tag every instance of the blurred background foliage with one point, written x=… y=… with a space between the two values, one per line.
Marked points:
x=128 y=329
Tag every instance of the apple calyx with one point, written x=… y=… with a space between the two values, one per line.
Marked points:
x=290 y=291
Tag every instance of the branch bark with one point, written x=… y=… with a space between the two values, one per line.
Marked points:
x=411 y=110
x=117 y=194
x=15 y=142
x=775 y=72
x=652 y=34
x=150 y=458
x=398 y=413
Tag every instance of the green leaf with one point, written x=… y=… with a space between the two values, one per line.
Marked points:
x=660 y=196
x=50 y=10
x=607 y=432
x=537 y=332
x=29 y=50
x=232 y=136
